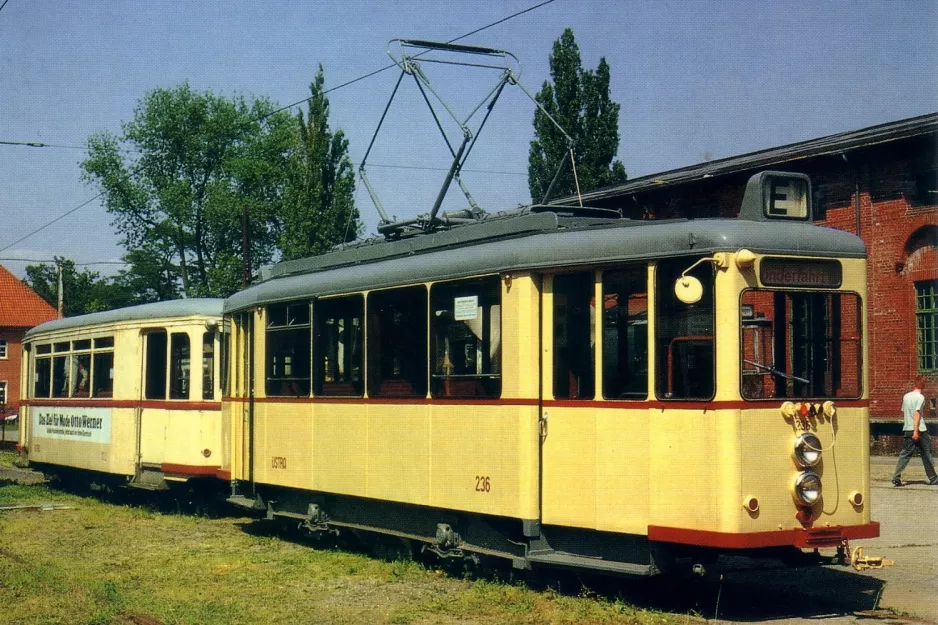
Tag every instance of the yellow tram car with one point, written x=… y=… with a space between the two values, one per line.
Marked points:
x=127 y=397
x=565 y=387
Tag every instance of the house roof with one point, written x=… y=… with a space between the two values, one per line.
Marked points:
x=20 y=306
x=772 y=157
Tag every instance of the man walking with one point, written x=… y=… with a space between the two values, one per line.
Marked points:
x=914 y=434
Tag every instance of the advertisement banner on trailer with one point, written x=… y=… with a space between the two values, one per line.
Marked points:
x=92 y=425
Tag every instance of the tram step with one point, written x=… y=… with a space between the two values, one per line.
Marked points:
x=567 y=560
x=245 y=502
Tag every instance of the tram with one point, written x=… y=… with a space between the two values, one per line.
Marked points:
x=565 y=387
x=127 y=397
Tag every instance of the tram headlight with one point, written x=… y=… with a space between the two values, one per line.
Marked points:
x=808 y=488
x=807 y=450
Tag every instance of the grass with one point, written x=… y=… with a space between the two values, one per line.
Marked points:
x=106 y=564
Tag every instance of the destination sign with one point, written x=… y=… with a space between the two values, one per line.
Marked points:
x=825 y=274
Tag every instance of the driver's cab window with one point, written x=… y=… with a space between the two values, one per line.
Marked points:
x=684 y=340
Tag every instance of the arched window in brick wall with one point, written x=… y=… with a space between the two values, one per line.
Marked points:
x=921 y=266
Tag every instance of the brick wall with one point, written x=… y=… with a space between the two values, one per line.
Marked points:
x=10 y=367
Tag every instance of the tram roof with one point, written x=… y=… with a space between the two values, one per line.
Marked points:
x=534 y=241
x=195 y=307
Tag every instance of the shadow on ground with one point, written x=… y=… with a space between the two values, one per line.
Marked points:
x=744 y=591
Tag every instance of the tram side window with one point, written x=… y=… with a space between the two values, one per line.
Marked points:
x=43 y=374
x=156 y=365
x=81 y=375
x=800 y=344
x=625 y=334
x=60 y=376
x=465 y=319
x=208 y=365
x=180 y=369
x=288 y=344
x=684 y=361
x=397 y=343
x=574 y=322
x=103 y=372
x=339 y=347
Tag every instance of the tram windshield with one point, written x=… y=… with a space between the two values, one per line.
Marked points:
x=800 y=344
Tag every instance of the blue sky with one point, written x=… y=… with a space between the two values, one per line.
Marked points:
x=695 y=79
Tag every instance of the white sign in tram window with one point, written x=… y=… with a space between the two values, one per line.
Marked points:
x=92 y=425
x=465 y=308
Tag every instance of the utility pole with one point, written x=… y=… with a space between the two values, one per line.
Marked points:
x=58 y=264
x=245 y=249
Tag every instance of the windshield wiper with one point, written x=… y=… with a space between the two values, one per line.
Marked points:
x=776 y=371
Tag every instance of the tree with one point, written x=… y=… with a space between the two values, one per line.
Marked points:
x=178 y=179
x=319 y=206
x=82 y=292
x=579 y=101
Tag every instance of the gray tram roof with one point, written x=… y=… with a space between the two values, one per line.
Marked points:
x=196 y=307
x=549 y=240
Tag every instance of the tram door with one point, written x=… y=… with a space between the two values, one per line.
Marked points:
x=568 y=387
x=594 y=381
x=167 y=375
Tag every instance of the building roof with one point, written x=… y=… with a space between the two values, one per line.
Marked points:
x=770 y=158
x=195 y=307
x=20 y=306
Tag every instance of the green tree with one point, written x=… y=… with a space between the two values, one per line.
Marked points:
x=82 y=291
x=579 y=100
x=319 y=204
x=177 y=180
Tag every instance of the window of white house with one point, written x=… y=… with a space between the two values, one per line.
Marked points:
x=3 y=393
x=3 y=349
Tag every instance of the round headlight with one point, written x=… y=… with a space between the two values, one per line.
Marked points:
x=807 y=450
x=808 y=488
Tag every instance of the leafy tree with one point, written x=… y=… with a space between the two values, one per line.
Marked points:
x=82 y=292
x=319 y=205
x=177 y=180
x=579 y=100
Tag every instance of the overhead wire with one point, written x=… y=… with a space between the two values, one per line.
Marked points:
x=270 y=113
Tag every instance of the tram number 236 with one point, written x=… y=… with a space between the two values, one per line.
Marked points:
x=483 y=484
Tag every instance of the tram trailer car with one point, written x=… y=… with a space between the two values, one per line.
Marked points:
x=566 y=388
x=127 y=397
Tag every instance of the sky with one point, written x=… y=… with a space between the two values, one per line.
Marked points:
x=695 y=79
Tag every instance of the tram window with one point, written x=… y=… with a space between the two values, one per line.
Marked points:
x=684 y=361
x=103 y=374
x=44 y=349
x=156 y=365
x=288 y=344
x=574 y=323
x=180 y=369
x=625 y=334
x=397 y=343
x=81 y=375
x=208 y=365
x=106 y=342
x=60 y=376
x=62 y=347
x=339 y=346
x=81 y=345
x=800 y=344
x=465 y=319
x=43 y=377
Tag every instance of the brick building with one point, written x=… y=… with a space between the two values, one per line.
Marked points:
x=20 y=310
x=878 y=182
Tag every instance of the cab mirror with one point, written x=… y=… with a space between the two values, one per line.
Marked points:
x=688 y=289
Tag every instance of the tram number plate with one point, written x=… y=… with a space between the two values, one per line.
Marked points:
x=483 y=484
x=278 y=462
